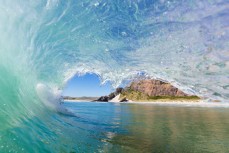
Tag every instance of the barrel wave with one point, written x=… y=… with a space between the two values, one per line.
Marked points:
x=48 y=41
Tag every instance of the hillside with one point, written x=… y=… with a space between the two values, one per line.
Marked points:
x=149 y=89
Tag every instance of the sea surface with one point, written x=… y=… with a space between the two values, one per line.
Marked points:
x=122 y=127
x=115 y=127
x=44 y=43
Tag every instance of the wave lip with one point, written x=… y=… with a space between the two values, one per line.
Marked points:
x=52 y=99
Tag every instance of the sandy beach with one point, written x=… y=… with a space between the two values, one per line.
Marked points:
x=169 y=103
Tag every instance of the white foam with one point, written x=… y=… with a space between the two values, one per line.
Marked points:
x=51 y=98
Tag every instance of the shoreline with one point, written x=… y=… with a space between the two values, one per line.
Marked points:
x=186 y=104
x=165 y=103
x=85 y=100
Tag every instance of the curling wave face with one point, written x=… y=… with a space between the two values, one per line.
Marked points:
x=48 y=41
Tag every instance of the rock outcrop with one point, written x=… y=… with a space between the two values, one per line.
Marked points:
x=102 y=99
x=151 y=90
x=156 y=88
x=123 y=99
x=147 y=90
x=110 y=96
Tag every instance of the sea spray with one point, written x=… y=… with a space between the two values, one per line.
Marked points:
x=52 y=99
x=185 y=43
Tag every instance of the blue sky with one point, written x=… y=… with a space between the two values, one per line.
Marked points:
x=87 y=85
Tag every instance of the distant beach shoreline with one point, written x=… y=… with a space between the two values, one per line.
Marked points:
x=70 y=100
x=199 y=103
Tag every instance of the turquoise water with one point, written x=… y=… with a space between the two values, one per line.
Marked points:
x=44 y=43
x=111 y=127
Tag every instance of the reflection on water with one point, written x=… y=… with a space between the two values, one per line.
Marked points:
x=152 y=128
x=175 y=129
x=110 y=127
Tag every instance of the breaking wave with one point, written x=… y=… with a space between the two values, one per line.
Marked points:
x=48 y=41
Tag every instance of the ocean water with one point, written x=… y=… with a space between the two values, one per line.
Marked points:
x=115 y=127
x=44 y=43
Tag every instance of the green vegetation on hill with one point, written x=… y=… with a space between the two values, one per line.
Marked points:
x=139 y=96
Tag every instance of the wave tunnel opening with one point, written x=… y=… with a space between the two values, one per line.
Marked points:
x=44 y=43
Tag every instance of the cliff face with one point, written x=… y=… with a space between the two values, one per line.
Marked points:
x=110 y=96
x=156 y=88
x=148 y=90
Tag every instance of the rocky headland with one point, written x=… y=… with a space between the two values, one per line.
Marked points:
x=111 y=96
x=148 y=90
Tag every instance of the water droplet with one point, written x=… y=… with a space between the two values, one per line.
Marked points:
x=96 y=4
x=124 y=33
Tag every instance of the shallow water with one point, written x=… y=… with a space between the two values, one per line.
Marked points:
x=114 y=127
x=150 y=128
x=46 y=42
